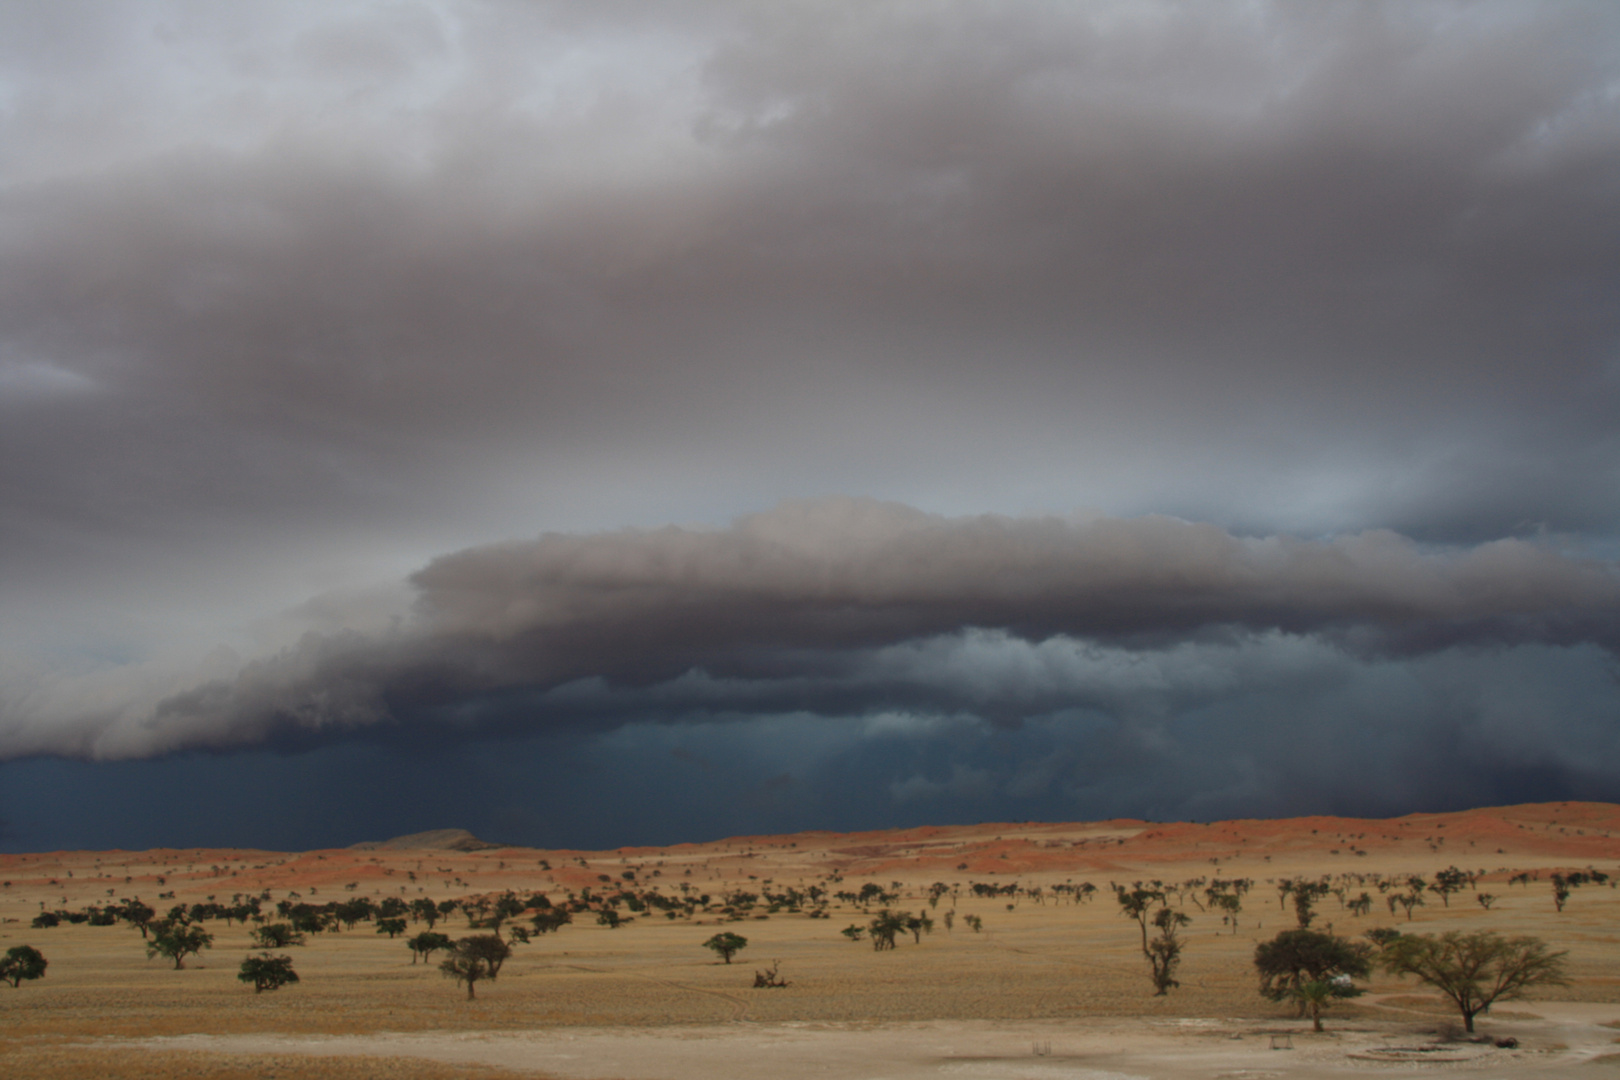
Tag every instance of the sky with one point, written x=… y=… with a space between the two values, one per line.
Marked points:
x=626 y=423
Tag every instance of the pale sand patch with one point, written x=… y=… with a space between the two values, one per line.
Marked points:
x=1569 y=1043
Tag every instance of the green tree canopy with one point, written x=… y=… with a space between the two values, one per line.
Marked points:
x=267 y=972
x=1296 y=957
x=726 y=945
x=177 y=940
x=22 y=962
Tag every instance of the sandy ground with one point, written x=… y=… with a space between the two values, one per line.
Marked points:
x=1562 y=1043
x=1049 y=988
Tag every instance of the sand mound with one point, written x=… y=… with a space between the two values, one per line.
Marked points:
x=432 y=840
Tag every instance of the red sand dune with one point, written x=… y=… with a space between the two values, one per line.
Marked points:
x=1497 y=840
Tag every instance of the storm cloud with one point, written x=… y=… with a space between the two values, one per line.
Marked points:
x=816 y=603
x=1182 y=327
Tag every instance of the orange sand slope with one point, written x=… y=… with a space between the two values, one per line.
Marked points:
x=1497 y=841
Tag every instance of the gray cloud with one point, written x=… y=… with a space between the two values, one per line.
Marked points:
x=808 y=603
x=300 y=297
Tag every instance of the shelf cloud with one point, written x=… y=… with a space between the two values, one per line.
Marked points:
x=804 y=607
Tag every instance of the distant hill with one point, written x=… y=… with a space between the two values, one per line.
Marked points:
x=433 y=840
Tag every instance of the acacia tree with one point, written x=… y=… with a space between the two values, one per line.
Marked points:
x=1229 y=903
x=1164 y=951
x=550 y=919
x=1564 y=884
x=428 y=942
x=1311 y=968
x=726 y=945
x=22 y=962
x=1448 y=881
x=1306 y=894
x=276 y=936
x=424 y=909
x=1476 y=969
x=885 y=925
x=474 y=958
x=177 y=941
x=137 y=914
x=1138 y=904
x=267 y=972
x=490 y=947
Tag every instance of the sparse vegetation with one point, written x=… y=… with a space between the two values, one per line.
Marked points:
x=726 y=945
x=267 y=972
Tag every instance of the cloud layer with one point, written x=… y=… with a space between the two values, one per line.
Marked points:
x=804 y=608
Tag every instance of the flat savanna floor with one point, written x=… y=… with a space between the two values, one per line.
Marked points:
x=1053 y=988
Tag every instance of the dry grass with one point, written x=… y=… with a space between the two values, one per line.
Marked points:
x=77 y=1062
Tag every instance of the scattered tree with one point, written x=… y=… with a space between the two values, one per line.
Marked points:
x=550 y=919
x=22 y=962
x=424 y=909
x=1564 y=884
x=392 y=927
x=276 y=936
x=475 y=958
x=1474 y=970
x=177 y=941
x=267 y=972
x=1228 y=903
x=1306 y=894
x=1407 y=900
x=1448 y=881
x=428 y=942
x=884 y=926
x=1164 y=951
x=1311 y=968
x=726 y=945
x=490 y=948
x=1149 y=907
x=137 y=914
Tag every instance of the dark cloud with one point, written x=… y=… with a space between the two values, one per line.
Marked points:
x=301 y=297
x=833 y=605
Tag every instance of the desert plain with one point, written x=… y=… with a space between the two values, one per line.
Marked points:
x=1052 y=984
